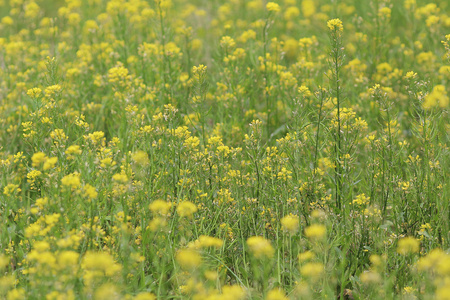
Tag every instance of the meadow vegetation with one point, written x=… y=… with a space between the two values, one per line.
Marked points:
x=233 y=149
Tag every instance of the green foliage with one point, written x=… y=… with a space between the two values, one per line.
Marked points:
x=224 y=149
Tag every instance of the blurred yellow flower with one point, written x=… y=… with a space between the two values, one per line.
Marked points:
x=260 y=247
x=100 y=261
x=312 y=270
x=272 y=6
x=276 y=294
x=160 y=207
x=72 y=180
x=305 y=256
x=437 y=97
x=145 y=296
x=107 y=292
x=38 y=158
x=11 y=189
x=208 y=241
x=408 y=245
x=120 y=177
x=233 y=292
x=186 y=209
x=157 y=224
x=140 y=158
x=316 y=231
x=290 y=223
x=370 y=277
x=188 y=259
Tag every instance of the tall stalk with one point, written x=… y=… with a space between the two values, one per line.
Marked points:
x=336 y=61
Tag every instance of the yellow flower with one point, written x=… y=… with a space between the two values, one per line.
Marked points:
x=58 y=135
x=53 y=90
x=199 y=72
x=160 y=207
x=118 y=74
x=72 y=180
x=41 y=246
x=443 y=292
x=317 y=213
x=304 y=91
x=437 y=97
x=272 y=6
x=52 y=219
x=188 y=259
x=410 y=75
x=16 y=294
x=31 y=176
x=186 y=209
x=4 y=261
x=409 y=4
x=90 y=192
x=316 y=231
x=308 y=8
x=290 y=223
x=7 y=20
x=107 y=292
x=227 y=43
x=376 y=260
x=291 y=13
x=157 y=223
x=34 y=92
x=305 y=256
x=31 y=10
x=431 y=260
x=192 y=142
x=11 y=189
x=384 y=12
x=276 y=294
x=361 y=199
x=432 y=20
x=120 y=177
x=141 y=158
x=233 y=292
x=370 y=277
x=101 y=261
x=96 y=138
x=335 y=25
x=50 y=163
x=409 y=290
x=71 y=150
x=68 y=259
x=206 y=241
x=408 y=245
x=211 y=275
x=312 y=270
x=38 y=158
x=145 y=296
x=7 y=282
x=90 y=26
x=260 y=247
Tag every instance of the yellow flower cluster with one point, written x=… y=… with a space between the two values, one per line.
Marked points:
x=408 y=245
x=335 y=25
x=260 y=247
x=186 y=209
x=316 y=231
x=290 y=223
x=437 y=98
x=144 y=157
x=272 y=6
x=188 y=259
